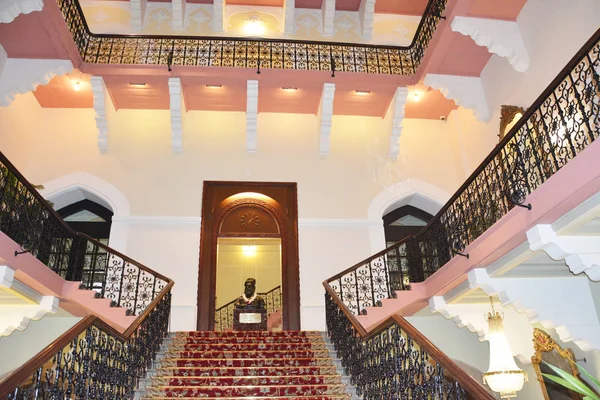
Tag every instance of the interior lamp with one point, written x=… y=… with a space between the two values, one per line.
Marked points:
x=254 y=26
x=503 y=375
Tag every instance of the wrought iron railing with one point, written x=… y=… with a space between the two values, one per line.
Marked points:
x=224 y=314
x=28 y=219
x=395 y=361
x=561 y=123
x=209 y=51
x=92 y=360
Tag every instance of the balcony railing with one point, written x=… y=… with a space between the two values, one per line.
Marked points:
x=28 y=219
x=209 y=51
x=559 y=125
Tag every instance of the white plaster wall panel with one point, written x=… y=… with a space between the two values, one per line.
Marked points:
x=326 y=116
x=251 y=116
x=289 y=20
x=178 y=14
x=397 y=109
x=177 y=107
x=550 y=302
x=138 y=14
x=328 y=16
x=104 y=110
x=581 y=253
x=500 y=37
x=472 y=316
x=11 y=9
x=366 y=13
x=218 y=20
x=23 y=75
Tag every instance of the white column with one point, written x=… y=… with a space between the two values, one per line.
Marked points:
x=178 y=14
x=326 y=117
x=138 y=12
x=328 y=13
x=251 y=116
x=177 y=107
x=103 y=109
x=289 y=21
x=366 y=13
x=397 y=108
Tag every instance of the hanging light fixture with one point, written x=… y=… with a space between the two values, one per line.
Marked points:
x=254 y=26
x=503 y=375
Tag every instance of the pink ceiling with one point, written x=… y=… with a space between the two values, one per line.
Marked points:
x=153 y=96
x=458 y=55
x=406 y=7
x=60 y=92
x=258 y=3
x=347 y=101
x=231 y=96
x=309 y=3
x=505 y=9
x=347 y=5
x=273 y=98
x=431 y=104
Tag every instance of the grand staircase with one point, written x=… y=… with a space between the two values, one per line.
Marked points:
x=238 y=365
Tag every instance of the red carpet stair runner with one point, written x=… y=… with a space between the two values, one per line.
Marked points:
x=238 y=365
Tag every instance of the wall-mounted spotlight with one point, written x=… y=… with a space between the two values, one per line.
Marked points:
x=77 y=85
x=137 y=84
x=214 y=86
x=362 y=92
x=289 y=89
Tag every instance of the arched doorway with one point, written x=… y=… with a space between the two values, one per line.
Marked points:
x=241 y=216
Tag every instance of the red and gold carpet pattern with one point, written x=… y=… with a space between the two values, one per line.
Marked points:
x=237 y=365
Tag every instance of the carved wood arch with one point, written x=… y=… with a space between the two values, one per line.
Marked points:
x=251 y=230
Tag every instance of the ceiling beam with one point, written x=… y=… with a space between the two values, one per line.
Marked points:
x=500 y=37
x=138 y=12
x=177 y=106
x=289 y=20
x=251 y=115
x=178 y=14
x=103 y=110
x=366 y=13
x=218 y=16
x=397 y=108
x=326 y=116
x=328 y=13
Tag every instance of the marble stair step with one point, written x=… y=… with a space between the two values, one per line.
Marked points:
x=245 y=391
x=247 y=371
x=246 y=380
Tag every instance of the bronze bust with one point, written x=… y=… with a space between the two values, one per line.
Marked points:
x=250 y=298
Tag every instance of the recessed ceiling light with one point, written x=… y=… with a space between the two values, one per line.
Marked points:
x=214 y=86
x=289 y=89
x=416 y=95
x=362 y=92
x=77 y=85
x=137 y=85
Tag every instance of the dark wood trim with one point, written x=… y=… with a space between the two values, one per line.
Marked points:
x=406 y=210
x=86 y=204
x=285 y=211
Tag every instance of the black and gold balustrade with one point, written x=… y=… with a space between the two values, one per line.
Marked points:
x=209 y=51
x=395 y=360
x=29 y=220
x=559 y=125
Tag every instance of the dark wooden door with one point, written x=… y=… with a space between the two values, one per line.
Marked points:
x=221 y=202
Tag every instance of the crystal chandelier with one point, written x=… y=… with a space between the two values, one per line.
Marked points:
x=503 y=375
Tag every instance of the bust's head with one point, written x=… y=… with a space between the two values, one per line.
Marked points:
x=249 y=287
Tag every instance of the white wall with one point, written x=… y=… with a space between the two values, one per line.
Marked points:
x=20 y=346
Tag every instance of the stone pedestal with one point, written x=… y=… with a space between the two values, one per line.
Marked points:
x=250 y=319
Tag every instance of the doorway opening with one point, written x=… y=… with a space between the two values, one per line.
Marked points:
x=249 y=230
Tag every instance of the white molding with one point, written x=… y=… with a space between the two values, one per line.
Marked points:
x=11 y=9
x=177 y=14
x=24 y=75
x=580 y=253
x=326 y=222
x=7 y=276
x=138 y=13
x=398 y=106
x=565 y=304
x=218 y=22
x=326 y=117
x=177 y=107
x=251 y=116
x=289 y=19
x=472 y=317
x=366 y=14
x=3 y=60
x=150 y=219
x=18 y=317
x=64 y=185
x=103 y=106
x=328 y=14
x=500 y=37
x=466 y=91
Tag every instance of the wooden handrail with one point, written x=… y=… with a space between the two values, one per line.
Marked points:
x=13 y=170
x=471 y=386
x=28 y=369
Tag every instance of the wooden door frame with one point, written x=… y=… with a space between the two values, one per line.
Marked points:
x=286 y=215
